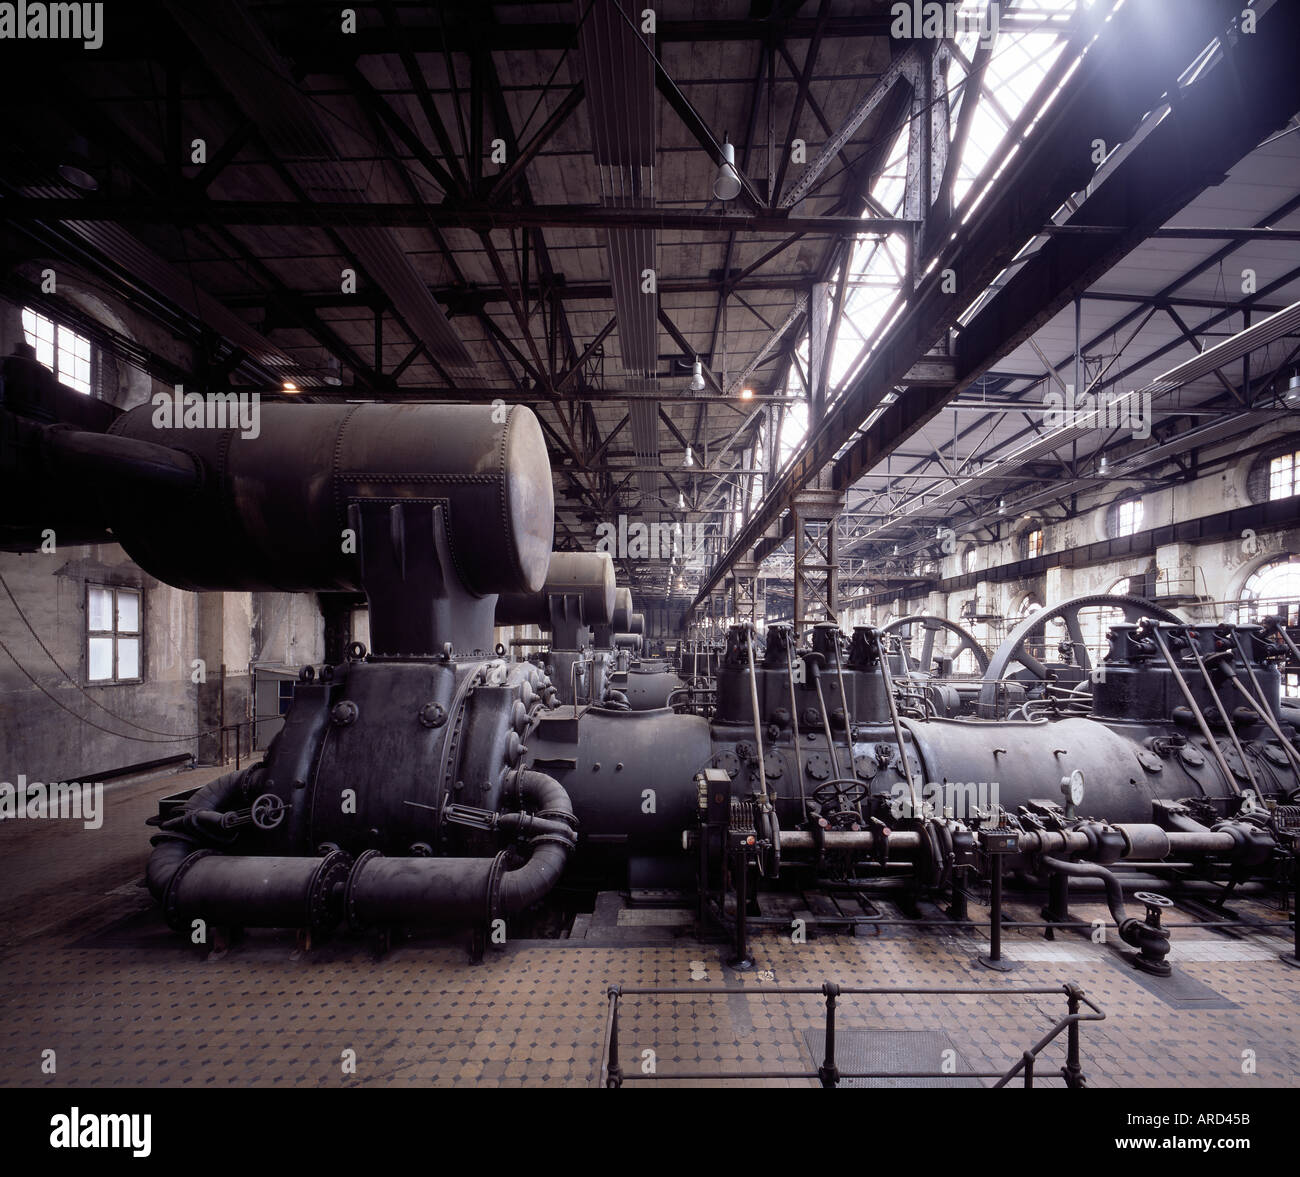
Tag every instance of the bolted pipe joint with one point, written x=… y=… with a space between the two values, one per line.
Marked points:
x=1251 y=844
x=1106 y=844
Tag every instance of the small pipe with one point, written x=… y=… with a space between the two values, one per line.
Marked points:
x=1215 y=750
x=898 y=729
x=844 y=696
x=758 y=723
x=794 y=720
x=1223 y=711
x=1259 y=703
x=1093 y=870
x=826 y=719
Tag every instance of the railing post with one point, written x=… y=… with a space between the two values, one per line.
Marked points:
x=1293 y=957
x=1072 y=1071
x=742 y=959
x=614 y=1076
x=997 y=846
x=828 y=1072
x=957 y=909
x=1029 y=1068
x=1057 y=910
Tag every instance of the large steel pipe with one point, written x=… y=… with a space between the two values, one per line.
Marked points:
x=588 y=576
x=621 y=622
x=272 y=512
x=257 y=891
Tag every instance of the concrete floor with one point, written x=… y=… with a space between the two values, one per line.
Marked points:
x=94 y=975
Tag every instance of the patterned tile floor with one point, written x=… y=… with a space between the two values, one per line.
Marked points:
x=93 y=975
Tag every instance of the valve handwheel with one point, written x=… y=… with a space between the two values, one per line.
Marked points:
x=841 y=794
x=268 y=811
x=1151 y=899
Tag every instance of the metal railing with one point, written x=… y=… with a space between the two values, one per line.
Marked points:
x=828 y=1073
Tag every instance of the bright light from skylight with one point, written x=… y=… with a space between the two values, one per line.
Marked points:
x=1019 y=58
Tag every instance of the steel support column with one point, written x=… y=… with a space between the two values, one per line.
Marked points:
x=816 y=570
x=747 y=594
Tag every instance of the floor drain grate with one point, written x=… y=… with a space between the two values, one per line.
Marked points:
x=891 y=1050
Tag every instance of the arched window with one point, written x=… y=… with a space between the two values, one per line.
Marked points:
x=1029 y=605
x=1271 y=591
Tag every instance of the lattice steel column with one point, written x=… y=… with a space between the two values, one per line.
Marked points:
x=717 y=613
x=747 y=600
x=816 y=572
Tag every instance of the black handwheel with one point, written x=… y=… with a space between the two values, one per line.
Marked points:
x=843 y=794
x=1151 y=899
x=268 y=811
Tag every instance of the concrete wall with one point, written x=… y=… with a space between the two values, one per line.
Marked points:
x=68 y=729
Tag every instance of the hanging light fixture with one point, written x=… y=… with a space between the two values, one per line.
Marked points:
x=727 y=184
x=681 y=501
x=689 y=460
x=697 y=376
x=1103 y=466
x=75 y=167
x=1002 y=506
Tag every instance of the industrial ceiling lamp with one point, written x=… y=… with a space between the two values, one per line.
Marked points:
x=1002 y=506
x=697 y=376
x=689 y=460
x=1103 y=466
x=727 y=184
x=75 y=166
x=1292 y=394
x=681 y=501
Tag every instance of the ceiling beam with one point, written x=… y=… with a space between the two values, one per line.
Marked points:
x=407 y=215
x=1118 y=80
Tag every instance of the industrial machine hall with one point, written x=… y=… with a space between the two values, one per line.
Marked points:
x=650 y=544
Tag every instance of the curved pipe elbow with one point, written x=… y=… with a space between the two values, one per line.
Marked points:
x=1092 y=870
x=429 y=891
x=194 y=829
x=546 y=797
x=169 y=851
x=533 y=881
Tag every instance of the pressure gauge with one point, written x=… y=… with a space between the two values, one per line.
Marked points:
x=1072 y=787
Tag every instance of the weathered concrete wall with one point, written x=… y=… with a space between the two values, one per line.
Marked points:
x=287 y=630
x=67 y=726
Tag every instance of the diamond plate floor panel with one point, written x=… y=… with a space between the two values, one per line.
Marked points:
x=93 y=975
